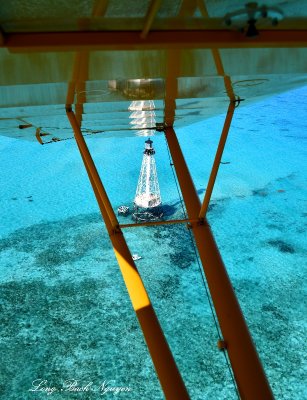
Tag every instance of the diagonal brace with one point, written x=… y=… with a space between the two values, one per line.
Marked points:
x=163 y=360
x=248 y=371
x=217 y=160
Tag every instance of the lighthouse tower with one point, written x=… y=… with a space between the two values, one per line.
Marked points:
x=147 y=201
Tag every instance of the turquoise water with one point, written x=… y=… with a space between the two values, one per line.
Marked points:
x=65 y=313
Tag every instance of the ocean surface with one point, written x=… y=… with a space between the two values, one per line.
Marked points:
x=66 y=319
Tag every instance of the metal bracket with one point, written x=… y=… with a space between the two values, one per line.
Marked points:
x=160 y=126
x=221 y=345
x=237 y=101
x=116 y=230
x=201 y=221
x=245 y=19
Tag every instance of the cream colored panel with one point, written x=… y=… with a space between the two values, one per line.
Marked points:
x=148 y=64
x=27 y=68
x=264 y=61
x=127 y=64
x=33 y=95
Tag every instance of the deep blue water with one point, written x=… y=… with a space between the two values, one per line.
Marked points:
x=65 y=313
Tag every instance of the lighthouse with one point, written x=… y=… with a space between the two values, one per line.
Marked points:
x=147 y=201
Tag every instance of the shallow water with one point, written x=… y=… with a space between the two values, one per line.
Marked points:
x=64 y=308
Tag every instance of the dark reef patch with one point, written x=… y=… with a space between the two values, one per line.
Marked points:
x=260 y=192
x=182 y=259
x=58 y=320
x=56 y=236
x=275 y=311
x=212 y=206
x=278 y=227
x=170 y=209
x=168 y=286
x=282 y=246
x=55 y=255
x=201 y=191
x=180 y=244
x=50 y=331
x=285 y=178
